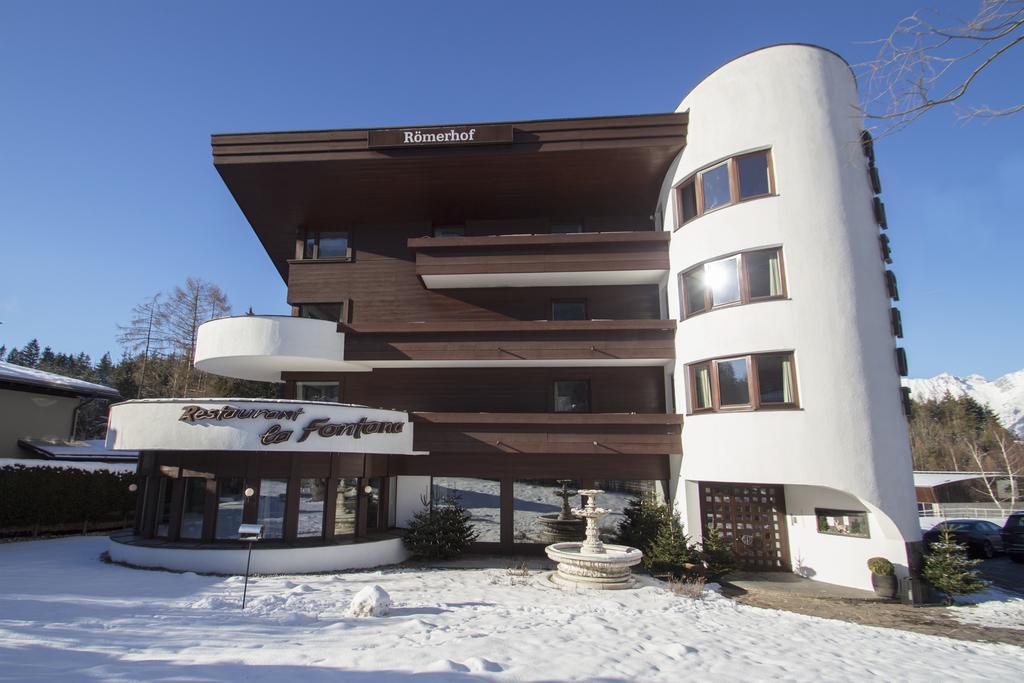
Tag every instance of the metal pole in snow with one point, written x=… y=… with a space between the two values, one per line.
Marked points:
x=245 y=588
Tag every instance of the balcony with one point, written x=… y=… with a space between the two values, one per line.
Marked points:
x=512 y=342
x=548 y=433
x=580 y=259
x=261 y=347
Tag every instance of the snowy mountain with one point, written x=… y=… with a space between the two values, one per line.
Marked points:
x=1005 y=396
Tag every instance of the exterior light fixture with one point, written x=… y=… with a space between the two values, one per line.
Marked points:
x=250 y=492
x=251 y=533
x=368 y=489
x=133 y=487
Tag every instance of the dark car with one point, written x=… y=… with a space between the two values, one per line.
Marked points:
x=1013 y=536
x=982 y=538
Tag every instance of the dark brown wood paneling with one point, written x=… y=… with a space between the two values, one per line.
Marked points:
x=504 y=390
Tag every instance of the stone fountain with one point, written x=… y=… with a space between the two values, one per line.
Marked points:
x=563 y=525
x=592 y=564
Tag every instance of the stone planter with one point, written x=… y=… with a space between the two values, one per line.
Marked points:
x=885 y=586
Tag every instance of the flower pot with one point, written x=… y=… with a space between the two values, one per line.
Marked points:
x=885 y=586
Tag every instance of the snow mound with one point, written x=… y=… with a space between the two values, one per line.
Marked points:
x=372 y=601
x=992 y=607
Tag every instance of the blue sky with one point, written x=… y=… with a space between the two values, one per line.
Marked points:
x=108 y=193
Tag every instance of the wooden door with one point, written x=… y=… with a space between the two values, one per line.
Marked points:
x=753 y=518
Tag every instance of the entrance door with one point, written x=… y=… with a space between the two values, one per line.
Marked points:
x=753 y=517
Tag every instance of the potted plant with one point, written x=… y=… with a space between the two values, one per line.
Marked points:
x=883 y=577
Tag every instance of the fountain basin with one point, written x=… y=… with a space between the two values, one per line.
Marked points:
x=608 y=570
x=555 y=529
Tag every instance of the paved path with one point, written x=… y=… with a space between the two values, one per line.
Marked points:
x=1004 y=572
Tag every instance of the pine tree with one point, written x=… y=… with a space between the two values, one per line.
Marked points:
x=949 y=570
x=29 y=355
x=642 y=518
x=104 y=369
x=717 y=554
x=47 y=360
x=670 y=549
x=3 y=350
x=441 y=531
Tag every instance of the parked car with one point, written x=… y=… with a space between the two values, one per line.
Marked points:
x=982 y=538
x=1013 y=536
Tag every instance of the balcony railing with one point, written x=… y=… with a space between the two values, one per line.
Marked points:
x=608 y=342
x=545 y=260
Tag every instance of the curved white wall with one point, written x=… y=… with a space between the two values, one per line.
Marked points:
x=261 y=347
x=850 y=433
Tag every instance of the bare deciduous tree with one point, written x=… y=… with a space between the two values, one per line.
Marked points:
x=142 y=334
x=186 y=309
x=927 y=63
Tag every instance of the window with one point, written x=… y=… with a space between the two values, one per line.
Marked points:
x=572 y=396
x=327 y=392
x=330 y=312
x=481 y=498
x=566 y=228
x=738 y=279
x=734 y=180
x=843 y=522
x=163 y=506
x=450 y=231
x=569 y=309
x=327 y=244
x=311 y=507
x=230 y=502
x=345 y=506
x=271 y=505
x=192 y=508
x=755 y=382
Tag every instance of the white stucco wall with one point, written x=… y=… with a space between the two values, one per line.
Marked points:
x=26 y=414
x=849 y=433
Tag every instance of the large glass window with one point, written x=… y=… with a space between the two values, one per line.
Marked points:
x=346 y=506
x=328 y=392
x=759 y=381
x=480 y=497
x=373 y=509
x=538 y=514
x=192 y=508
x=311 y=507
x=163 y=506
x=733 y=382
x=734 y=180
x=714 y=185
x=572 y=396
x=753 y=171
x=737 y=279
x=325 y=244
x=569 y=309
x=230 y=504
x=271 y=506
x=616 y=497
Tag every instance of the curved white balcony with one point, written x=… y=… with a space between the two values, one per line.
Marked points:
x=261 y=347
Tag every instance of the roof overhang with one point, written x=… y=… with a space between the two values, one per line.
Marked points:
x=611 y=166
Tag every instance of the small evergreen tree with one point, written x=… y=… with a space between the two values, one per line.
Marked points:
x=3 y=350
x=441 y=531
x=104 y=369
x=716 y=553
x=949 y=570
x=671 y=548
x=642 y=519
x=29 y=354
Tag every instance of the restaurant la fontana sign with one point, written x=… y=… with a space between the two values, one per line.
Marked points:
x=244 y=424
x=439 y=136
x=279 y=431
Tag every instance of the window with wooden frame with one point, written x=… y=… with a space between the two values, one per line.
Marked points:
x=737 y=179
x=569 y=309
x=737 y=279
x=321 y=245
x=759 y=381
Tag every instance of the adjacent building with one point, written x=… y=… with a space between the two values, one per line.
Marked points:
x=693 y=305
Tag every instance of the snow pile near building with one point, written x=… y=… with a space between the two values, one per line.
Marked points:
x=1005 y=396
x=992 y=607
x=65 y=615
x=372 y=601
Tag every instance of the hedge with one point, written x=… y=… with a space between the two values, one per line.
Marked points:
x=41 y=496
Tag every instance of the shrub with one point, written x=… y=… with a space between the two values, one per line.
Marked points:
x=643 y=517
x=881 y=566
x=655 y=528
x=949 y=570
x=47 y=496
x=716 y=553
x=441 y=531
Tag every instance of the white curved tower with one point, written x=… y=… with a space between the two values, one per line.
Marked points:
x=795 y=441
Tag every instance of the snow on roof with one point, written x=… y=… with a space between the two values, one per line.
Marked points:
x=92 y=449
x=30 y=377
x=931 y=479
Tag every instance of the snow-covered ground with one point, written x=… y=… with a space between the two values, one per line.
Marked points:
x=66 y=616
x=992 y=607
